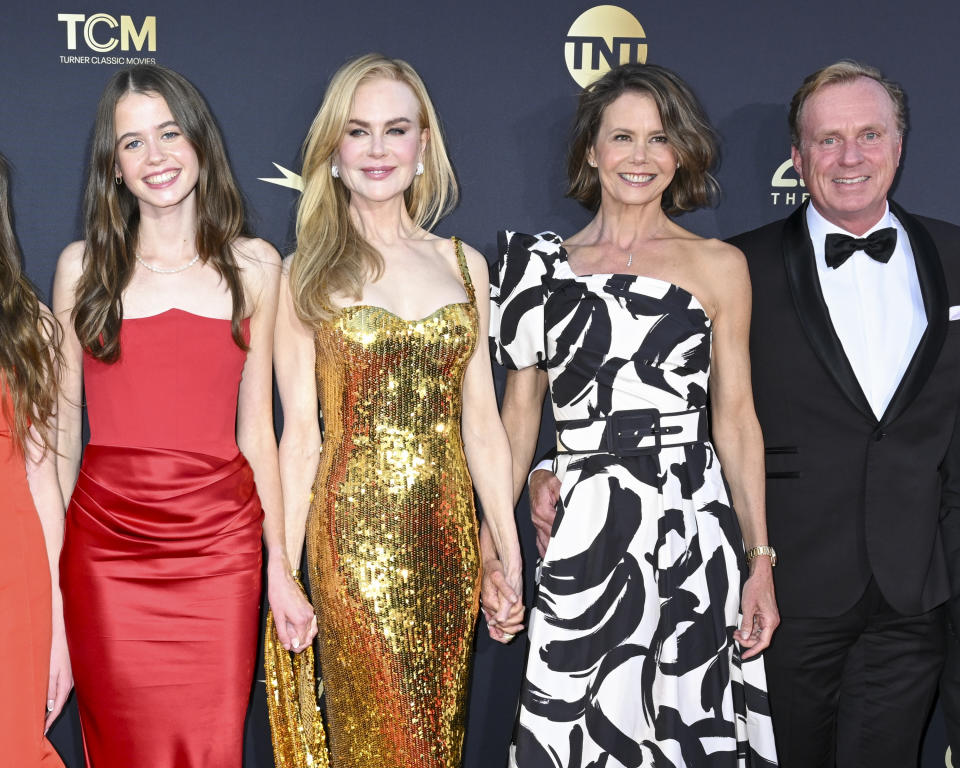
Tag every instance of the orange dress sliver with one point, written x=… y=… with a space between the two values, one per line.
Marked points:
x=25 y=616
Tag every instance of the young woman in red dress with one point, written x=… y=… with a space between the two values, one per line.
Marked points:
x=36 y=676
x=168 y=309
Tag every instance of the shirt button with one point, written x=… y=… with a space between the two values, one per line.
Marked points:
x=879 y=435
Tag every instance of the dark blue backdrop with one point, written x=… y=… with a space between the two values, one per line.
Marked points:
x=498 y=76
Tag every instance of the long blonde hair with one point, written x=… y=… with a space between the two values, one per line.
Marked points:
x=332 y=256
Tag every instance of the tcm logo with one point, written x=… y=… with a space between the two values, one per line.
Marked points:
x=785 y=178
x=600 y=39
x=102 y=32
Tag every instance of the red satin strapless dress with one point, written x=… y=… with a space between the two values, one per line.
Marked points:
x=25 y=611
x=160 y=569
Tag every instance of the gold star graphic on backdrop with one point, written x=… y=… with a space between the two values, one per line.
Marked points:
x=289 y=179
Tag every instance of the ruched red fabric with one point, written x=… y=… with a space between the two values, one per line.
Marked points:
x=161 y=562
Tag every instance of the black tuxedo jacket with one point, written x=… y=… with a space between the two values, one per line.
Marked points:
x=850 y=496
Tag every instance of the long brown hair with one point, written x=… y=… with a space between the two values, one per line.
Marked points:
x=29 y=339
x=684 y=123
x=112 y=213
x=332 y=256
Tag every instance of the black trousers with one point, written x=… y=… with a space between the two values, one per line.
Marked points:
x=864 y=680
x=950 y=679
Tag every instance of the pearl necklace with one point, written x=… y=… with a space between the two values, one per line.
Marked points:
x=162 y=271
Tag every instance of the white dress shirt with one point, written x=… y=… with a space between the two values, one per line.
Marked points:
x=876 y=309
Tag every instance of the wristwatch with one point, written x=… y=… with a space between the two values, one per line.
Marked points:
x=764 y=549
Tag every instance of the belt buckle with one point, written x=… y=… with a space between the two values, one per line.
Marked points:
x=626 y=429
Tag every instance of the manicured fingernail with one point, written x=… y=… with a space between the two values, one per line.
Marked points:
x=296 y=642
x=49 y=705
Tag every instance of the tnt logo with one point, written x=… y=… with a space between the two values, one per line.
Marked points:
x=786 y=178
x=100 y=32
x=600 y=39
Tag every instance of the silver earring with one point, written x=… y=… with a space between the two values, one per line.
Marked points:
x=419 y=169
x=678 y=164
x=334 y=171
x=119 y=180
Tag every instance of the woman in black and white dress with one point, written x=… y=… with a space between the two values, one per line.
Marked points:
x=647 y=608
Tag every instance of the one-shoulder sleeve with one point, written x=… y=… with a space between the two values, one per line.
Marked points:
x=517 y=295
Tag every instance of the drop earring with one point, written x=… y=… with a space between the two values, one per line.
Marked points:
x=334 y=171
x=119 y=179
x=419 y=169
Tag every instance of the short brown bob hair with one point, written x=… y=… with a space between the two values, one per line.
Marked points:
x=684 y=122
x=840 y=73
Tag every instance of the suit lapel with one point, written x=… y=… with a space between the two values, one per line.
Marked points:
x=801 y=270
x=935 y=301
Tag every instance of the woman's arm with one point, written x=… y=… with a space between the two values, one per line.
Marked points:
x=294 y=359
x=69 y=403
x=293 y=614
x=41 y=467
x=521 y=413
x=485 y=442
x=738 y=439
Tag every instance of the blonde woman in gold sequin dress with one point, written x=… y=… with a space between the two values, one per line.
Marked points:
x=379 y=323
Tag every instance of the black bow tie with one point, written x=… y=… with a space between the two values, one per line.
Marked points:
x=878 y=246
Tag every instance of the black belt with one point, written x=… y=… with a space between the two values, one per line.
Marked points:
x=632 y=433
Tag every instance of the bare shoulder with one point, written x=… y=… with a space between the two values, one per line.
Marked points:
x=721 y=259
x=259 y=265
x=726 y=278
x=70 y=263
x=254 y=251
x=67 y=276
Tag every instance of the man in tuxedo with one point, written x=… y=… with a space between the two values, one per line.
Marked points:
x=855 y=351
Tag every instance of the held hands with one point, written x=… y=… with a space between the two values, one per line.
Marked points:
x=501 y=587
x=60 y=680
x=500 y=600
x=759 y=607
x=544 y=495
x=292 y=613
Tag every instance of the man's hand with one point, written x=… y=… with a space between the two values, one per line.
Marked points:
x=544 y=495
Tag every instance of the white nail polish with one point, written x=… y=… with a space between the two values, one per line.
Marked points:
x=50 y=705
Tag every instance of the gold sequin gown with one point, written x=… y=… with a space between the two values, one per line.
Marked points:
x=392 y=545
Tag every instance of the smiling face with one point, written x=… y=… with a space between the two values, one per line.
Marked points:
x=382 y=142
x=849 y=152
x=632 y=154
x=157 y=162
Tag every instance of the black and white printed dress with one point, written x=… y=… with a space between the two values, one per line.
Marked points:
x=632 y=660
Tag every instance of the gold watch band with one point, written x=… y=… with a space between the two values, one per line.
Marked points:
x=763 y=550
